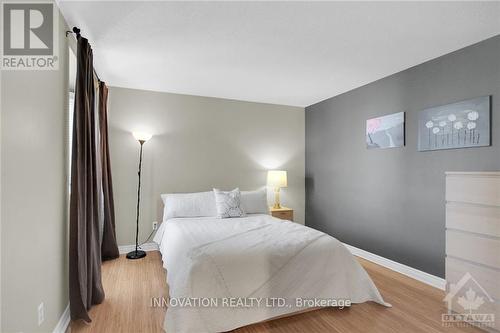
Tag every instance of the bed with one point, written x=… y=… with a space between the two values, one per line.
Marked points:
x=239 y=271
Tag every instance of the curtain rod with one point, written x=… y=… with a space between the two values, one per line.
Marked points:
x=76 y=31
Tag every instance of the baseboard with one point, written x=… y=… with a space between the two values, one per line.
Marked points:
x=416 y=274
x=63 y=323
x=145 y=247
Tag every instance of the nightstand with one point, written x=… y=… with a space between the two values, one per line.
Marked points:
x=283 y=213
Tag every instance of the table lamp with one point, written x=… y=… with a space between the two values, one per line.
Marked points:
x=277 y=180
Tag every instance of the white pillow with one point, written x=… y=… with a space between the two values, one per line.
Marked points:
x=255 y=202
x=228 y=203
x=188 y=205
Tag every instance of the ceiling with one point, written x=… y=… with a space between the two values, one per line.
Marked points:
x=292 y=53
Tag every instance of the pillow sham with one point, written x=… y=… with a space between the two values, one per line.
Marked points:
x=228 y=203
x=198 y=204
x=255 y=202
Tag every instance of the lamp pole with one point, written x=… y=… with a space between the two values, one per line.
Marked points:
x=137 y=254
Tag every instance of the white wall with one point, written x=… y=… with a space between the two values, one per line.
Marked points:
x=34 y=226
x=199 y=143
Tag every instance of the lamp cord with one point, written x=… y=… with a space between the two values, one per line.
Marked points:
x=151 y=234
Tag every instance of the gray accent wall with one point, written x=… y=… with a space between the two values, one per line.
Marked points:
x=391 y=202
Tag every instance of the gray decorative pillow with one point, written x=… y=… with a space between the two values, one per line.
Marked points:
x=228 y=203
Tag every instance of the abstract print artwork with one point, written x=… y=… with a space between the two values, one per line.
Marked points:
x=459 y=125
x=386 y=131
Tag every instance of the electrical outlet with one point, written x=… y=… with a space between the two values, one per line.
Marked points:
x=155 y=225
x=41 y=314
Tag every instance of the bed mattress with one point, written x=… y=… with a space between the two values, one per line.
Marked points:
x=227 y=273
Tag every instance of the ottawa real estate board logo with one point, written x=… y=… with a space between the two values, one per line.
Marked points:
x=469 y=303
x=29 y=38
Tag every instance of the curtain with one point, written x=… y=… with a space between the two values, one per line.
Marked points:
x=109 y=246
x=92 y=226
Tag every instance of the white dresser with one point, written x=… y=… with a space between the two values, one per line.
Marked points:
x=473 y=242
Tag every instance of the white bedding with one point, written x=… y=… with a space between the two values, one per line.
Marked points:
x=256 y=257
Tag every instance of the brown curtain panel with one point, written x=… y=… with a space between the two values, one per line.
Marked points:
x=109 y=247
x=85 y=285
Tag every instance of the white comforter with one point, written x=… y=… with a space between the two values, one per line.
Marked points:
x=248 y=259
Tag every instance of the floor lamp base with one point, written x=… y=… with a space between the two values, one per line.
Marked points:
x=136 y=254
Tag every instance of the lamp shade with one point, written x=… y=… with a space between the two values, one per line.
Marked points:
x=141 y=136
x=276 y=178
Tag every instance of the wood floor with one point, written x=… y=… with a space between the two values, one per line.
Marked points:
x=130 y=285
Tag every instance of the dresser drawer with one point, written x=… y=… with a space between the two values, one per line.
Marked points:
x=473 y=218
x=488 y=278
x=478 y=189
x=284 y=215
x=479 y=249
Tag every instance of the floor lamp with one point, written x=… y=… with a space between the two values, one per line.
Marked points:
x=138 y=254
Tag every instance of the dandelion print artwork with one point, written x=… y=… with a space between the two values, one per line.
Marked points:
x=473 y=115
x=429 y=125
x=435 y=130
x=443 y=126
x=386 y=132
x=471 y=126
x=451 y=118
x=459 y=125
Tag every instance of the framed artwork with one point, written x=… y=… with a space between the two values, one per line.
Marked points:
x=459 y=125
x=386 y=131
